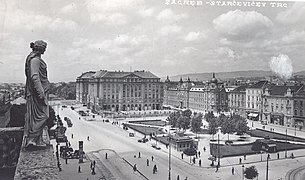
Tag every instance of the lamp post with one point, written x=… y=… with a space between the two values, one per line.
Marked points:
x=169 y=154
x=243 y=172
x=218 y=152
x=268 y=157
x=286 y=145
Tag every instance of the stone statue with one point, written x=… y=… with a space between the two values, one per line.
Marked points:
x=36 y=92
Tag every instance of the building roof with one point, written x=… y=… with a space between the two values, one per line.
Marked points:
x=118 y=74
x=282 y=90
x=258 y=85
x=240 y=88
x=87 y=75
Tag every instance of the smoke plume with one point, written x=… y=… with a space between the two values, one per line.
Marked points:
x=281 y=66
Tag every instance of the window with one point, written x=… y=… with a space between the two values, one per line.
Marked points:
x=295 y=112
x=301 y=112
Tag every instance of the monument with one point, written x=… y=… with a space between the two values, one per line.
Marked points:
x=36 y=92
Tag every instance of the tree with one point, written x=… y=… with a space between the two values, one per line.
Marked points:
x=227 y=126
x=251 y=172
x=173 y=119
x=208 y=116
x=187 y=113
x=183 y=122
x=241 y=126
x=213 y=126
x=196 y=122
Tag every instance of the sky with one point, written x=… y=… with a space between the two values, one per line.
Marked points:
x=153 y=35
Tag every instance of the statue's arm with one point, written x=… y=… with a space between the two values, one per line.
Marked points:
x=35 y=64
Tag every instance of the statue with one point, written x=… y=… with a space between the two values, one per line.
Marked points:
x=36 y=92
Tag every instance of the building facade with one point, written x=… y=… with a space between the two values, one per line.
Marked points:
x=237 y=100
x=299 y=108
x=120 y=91
x=254 y=100
x=278 y=106
x=210 y=96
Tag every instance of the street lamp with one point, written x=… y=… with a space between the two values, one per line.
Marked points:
x=268 y=157
x=286 y=145
x=243 y=173
x=169 y=154
x=218 y=152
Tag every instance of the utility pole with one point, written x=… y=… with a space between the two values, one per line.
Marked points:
x=286 y=145
x=218 y=152
x=169 y=155
x=243 y=173
x=267 y=166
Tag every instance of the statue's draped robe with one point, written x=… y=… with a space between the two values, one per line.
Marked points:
x=37 y=86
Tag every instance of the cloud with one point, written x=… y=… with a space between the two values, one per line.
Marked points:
x=194 y=36
x=167 y=15
x=294 y=37
x=62 y=25
x=226 y=52
x=293 y=15
x=69 y=9
x=242 y=24
x=188 y=50
x=281 y=66
x=170 y=29
x=146 y=12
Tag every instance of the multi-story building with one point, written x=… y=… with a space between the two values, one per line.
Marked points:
x=254 y=100
x=177 y=94
x=299 y=108
x=237 y=100
x=120 y=91
x=82 y=86
x=211 y=96
x=280 y=104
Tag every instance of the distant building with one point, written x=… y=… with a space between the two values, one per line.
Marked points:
x=278 y=106
x=210 y=96
x=177 y=94
x=299 y=108
x=254 y=100
x=237 y=100
x=120 y=91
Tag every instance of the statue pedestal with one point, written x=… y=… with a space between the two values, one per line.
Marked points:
x=37 y=164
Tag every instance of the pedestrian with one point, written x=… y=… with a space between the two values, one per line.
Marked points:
x=139 y=155
x=240 y=160
x=245 y=157
x=135 y=167
x=278 y=155
x=185 y=178
x=204 y=149
x=147 y=162
x=155 y=169
x=199 y=153
x=79 y=170
x=217 y=168
x=94 y=163
x=178 y=177
x=91 y=165
x=196 y=155
x=181 y=155
x=106 y=155
x=152 y=158
x=194 y=160
x=66 y=159
x=200 y=162
x=233 y=170
x=72 y=136
x=78 y=118
x=88 y=138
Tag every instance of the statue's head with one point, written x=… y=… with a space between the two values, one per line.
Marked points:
x=39 y=46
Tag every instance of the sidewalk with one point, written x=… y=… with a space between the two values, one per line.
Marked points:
x=278 y=128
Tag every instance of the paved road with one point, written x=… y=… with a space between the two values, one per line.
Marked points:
x=296 y=174
x=108 y=136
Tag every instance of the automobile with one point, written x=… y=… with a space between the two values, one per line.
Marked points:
x=155 y=146
x=107 y=120
x=63 y=106
x=131 y=134
x=143 y=140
